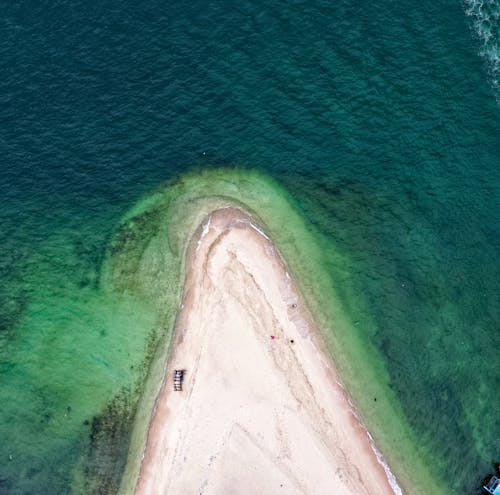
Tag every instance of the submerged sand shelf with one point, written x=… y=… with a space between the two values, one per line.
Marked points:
x=262 y=409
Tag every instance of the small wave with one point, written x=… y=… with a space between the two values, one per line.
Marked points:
x=391 y=478
x=485 y=15
x=206 y=228
x=388 y=473
x=259 y=230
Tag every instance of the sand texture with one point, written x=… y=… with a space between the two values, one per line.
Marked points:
x=262 y=410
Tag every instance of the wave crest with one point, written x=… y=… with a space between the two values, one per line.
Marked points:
x=485 y=15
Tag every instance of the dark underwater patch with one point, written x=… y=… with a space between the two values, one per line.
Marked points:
x=109 y=440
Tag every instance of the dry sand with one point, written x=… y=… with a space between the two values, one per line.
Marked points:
x=257 y=414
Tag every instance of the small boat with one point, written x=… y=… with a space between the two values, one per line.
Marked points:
x=493 y=486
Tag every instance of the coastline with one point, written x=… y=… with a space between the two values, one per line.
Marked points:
x=147 y=259
x=352 y=462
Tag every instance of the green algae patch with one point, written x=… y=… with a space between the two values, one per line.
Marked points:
x=146 y=259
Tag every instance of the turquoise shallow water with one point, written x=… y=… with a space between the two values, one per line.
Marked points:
x=381 y=119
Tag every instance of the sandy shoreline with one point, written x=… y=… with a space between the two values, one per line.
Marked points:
x=262 y=408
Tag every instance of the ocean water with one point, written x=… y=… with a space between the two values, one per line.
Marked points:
x=381 y=119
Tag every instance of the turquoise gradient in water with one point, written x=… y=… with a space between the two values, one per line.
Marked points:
x=382 y=121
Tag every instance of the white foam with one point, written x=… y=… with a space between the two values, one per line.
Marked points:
x=485 y=16
x=259 y=231
x=388 y=473
x=380 y=458
x=204 y=232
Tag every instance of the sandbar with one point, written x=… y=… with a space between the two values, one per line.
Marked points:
x=262 y=408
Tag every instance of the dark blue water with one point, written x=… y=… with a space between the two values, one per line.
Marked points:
x=381 y=119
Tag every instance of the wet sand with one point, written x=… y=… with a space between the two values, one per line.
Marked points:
x=262 y=409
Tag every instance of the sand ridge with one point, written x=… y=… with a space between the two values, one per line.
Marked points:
x=262 y=409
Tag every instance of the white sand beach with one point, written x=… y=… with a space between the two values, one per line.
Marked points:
x=262 y=410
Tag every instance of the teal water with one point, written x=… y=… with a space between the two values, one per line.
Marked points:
x=381 y=119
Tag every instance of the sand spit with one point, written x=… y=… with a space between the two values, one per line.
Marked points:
x=262 y=409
